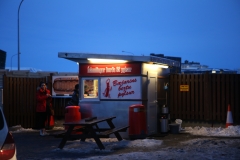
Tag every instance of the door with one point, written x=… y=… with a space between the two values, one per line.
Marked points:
x=152 y=106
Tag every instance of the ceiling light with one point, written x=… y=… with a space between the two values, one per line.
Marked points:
x=162 y=66
x=96 y=60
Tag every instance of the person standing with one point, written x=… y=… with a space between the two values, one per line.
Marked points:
x=75 y=97
x=43 y=97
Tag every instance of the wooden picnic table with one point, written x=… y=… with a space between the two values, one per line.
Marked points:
x=89 y=129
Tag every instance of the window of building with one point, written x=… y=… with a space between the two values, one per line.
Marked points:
x=90 y=88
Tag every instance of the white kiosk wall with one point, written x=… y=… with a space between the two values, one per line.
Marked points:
x=114 y=98
x=115 y=103
x=152 y=72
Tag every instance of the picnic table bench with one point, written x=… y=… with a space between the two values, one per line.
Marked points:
x=89 y=129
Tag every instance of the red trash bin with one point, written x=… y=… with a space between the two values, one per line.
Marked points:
x=137 y=122
x=72 y=114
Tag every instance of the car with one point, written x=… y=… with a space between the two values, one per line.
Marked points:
x=7 y=144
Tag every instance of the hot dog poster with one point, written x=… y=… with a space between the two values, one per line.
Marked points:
x=120 y=88
x=63 y=85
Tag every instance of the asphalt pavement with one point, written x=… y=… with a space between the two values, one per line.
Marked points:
x=30 y=145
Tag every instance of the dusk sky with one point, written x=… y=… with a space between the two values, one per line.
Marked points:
x=205 y=31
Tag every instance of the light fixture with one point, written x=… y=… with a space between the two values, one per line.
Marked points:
x=96 y=60
x=162 y=66
x=213 y=71
x=19 y=36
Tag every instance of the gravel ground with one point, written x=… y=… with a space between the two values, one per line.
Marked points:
x=175 y=146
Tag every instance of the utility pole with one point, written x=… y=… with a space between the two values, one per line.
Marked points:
x=18 y=36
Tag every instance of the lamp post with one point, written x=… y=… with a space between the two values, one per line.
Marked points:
x=128 y=52
x=18 y=36
x=11 y=60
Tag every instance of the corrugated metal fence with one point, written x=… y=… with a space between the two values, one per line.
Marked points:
x=19 y=100
x=206 y=97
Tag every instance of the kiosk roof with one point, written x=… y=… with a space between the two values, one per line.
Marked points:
x=82 y=58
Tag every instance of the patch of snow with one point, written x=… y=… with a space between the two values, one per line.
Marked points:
x=231 y=131
x=208 y=147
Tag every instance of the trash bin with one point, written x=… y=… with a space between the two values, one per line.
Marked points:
x=174 y=128
x=72 y=114
x=164 y=123
x=164 y=119
x=137 y=122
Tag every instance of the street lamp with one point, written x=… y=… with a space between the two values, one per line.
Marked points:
x=11 y=60
x=18 y=36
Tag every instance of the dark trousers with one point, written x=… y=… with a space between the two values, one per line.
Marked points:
x=41 y=118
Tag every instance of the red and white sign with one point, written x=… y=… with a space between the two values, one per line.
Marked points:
x=121 y=88
x=109 y=69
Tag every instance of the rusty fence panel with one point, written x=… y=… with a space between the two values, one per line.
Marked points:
x=224 y=92
x=207 y=98
x=236 y=100
x=19 y=100
x=59 y=105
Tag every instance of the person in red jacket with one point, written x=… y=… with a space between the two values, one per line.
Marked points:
x=43 y=98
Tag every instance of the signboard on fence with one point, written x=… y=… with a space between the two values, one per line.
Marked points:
x=184 y=88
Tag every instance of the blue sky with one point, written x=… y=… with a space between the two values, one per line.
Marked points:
x=205 y=31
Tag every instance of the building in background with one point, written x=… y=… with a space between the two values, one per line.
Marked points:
x=173 y=69
x=3 y=55
x=196 y=67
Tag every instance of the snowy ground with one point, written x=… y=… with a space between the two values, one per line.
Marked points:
x=209 y=146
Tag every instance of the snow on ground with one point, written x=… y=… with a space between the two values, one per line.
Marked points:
x=231 y=131
x=207 y=147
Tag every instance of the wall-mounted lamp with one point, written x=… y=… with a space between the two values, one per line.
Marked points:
x=165 y=86
x=96 y=60
x=162 y=66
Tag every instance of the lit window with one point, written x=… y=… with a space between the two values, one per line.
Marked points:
x=90 y=88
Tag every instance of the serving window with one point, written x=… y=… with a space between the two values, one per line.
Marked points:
x=90 y=88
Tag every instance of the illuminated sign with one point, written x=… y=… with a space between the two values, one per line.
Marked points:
x=109 y=69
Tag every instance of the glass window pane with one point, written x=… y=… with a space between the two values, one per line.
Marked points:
x=90 y=88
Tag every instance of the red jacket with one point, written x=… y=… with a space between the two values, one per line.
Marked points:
x=42 y=100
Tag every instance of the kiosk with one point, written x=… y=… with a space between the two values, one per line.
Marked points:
x=111 y=83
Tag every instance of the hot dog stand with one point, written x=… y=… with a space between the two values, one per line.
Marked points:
x=111 y=83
